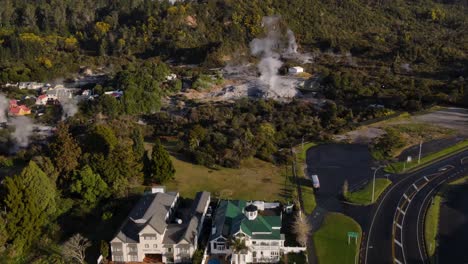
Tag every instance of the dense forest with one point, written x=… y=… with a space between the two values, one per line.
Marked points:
x=400 y=54
x=406 y=53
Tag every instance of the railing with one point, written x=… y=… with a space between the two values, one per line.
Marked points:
x=267 y=259
x=265 y=247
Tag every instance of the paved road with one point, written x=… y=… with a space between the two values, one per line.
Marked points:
x=380 y=247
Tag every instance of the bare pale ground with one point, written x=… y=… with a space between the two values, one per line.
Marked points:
x=454 y=120
x=451 y=117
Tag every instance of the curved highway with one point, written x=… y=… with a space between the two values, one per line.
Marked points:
x=395 y=234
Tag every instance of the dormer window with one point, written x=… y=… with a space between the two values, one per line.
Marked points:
x=149 y=236
x=250 y=211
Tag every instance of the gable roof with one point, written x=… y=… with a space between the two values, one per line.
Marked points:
x=150 y=210
x=191 y=229
x=230 y=219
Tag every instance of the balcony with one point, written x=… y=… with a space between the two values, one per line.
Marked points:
x=267 y=259
x=265 y=247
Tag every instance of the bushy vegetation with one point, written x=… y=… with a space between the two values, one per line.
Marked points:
x=76 y=179
x=224 y=133
x=383 y=51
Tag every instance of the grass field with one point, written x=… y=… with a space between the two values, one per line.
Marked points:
x=462 y=180
x=331 y=240
x=256 y=179
x=364 y=196
x=301 y=155
x=308 y=198
x=431 y=225
x=397 y=167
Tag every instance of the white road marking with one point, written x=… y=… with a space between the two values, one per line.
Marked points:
x=398 y=243
x=416 y=187
x=401 y=211
x=397 y=261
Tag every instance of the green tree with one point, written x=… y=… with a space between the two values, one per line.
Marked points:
x=30 y=203
x=120 y=168
x=138 y=142
x=161 y=168
x=102 y=139
x=104 y=249
x=65 y=150
x=238 y=247
x=89 y=185
x=265 y=140
x=386 y=145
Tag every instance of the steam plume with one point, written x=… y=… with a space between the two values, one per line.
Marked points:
x=70 y=108
x=3 y=108
x=23 y=130
x=270 y=49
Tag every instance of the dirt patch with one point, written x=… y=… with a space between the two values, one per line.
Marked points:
x=430 y=126
x=452 y=117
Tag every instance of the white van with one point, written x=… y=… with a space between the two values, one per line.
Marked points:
x=315 y=181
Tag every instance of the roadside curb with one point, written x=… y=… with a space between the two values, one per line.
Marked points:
x=421 y=166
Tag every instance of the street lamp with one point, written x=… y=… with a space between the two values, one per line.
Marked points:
x=373 y=183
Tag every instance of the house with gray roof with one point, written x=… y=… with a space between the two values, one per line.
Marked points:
x=257 y=224
x=152 y=232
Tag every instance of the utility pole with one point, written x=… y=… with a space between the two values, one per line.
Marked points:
x=420 y=149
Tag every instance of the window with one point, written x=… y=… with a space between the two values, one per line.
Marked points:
x=132 y=257
x=184 y=250
x=220 y=247
x=146 y=245
x=155 y=246
x=132 y=249
x=149 y=237
x=118 y=258
x=116 y=247
x=169 y=249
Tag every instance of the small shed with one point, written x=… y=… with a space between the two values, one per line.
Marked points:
x=296 y=70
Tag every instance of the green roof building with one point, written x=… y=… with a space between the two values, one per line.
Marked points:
x=252 y=223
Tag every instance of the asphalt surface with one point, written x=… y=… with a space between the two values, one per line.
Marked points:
x=335 y=163
x=453 y=226
x=394 y=207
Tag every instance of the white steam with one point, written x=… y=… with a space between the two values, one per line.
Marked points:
x=23 y=130
x=270 y=49
x=69 y=107
x=3 y=108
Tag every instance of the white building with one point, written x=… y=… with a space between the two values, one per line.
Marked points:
x=296 y=70
x=30 y=85
x=152 y=233
x=44 y=98
x=256 y=224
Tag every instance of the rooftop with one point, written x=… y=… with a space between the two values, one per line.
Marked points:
x=230 y=219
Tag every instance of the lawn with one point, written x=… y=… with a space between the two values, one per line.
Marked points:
x=331 y=240
x=255 y=179
x=364 y=196
x=397 y=167
x=308 y=199
x=431 y=225
x=302 y=154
